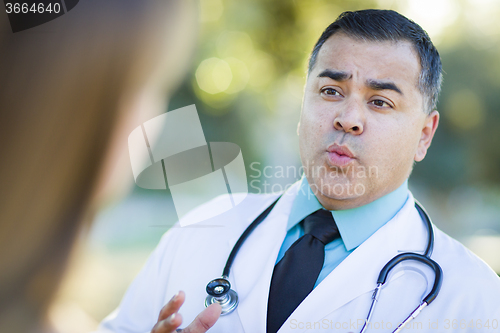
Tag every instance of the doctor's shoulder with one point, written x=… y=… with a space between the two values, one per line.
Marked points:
x=223 y=222
x=467 y=280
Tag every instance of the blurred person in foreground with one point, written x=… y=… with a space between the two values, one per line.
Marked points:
x=71 y=90
x=368 y=114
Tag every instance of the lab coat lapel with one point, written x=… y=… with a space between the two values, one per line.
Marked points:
x=358 y=273
x=255 y=262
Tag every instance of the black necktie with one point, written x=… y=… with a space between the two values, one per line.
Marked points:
x=296 y=273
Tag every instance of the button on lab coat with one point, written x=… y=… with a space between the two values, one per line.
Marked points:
x=188 y=258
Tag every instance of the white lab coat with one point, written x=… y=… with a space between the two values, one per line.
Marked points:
x=187 y=258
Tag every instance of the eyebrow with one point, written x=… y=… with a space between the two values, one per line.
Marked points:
x=335 y=75
x=341 y=76
x=383 y=85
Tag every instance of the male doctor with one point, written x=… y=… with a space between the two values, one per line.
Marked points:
x=368 y=115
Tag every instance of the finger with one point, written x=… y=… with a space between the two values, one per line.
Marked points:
x=168 y=325
x=172 y=306
x=205 y=320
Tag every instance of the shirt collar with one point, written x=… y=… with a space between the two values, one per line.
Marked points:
x=357 y=224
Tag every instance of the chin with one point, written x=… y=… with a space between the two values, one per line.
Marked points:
x=341 y=188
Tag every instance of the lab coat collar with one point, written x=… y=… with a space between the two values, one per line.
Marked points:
x=252 y=277
x=355 y=225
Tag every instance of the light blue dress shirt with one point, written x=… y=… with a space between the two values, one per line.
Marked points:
x=355 y=225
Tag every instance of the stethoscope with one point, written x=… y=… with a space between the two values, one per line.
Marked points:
x=219 y=290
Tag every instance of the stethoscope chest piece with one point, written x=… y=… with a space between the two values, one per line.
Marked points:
x=219 y=291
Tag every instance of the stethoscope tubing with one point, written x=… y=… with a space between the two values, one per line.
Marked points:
x=244 y=237
x=220 y=291
x=430 y=231
x=425 y=258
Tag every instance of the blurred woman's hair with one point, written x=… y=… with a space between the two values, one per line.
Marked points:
x=64 y=87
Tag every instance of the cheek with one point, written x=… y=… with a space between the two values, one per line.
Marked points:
x=316 y=117
x=306 y=136
x=408 y=137
x=312 y=134
x=392 y=144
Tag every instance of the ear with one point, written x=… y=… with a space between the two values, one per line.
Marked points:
x=430 y=126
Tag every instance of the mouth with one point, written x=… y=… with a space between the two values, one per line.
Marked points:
x=339 y=156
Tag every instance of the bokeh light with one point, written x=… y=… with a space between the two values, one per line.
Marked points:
x=211 y=10
x=240 y=74
x=432 y=15
x=214 y=75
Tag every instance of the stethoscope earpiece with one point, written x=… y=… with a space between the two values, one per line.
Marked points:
x=219 y=291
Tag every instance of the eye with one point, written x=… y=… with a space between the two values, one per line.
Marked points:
x=380 y=103
x=330 y=92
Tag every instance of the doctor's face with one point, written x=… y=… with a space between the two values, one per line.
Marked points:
x=362 y=123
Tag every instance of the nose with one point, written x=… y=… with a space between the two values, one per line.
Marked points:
x=350 y=119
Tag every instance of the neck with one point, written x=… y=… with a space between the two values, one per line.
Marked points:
x=350 y=203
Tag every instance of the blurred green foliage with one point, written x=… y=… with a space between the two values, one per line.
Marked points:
x=250 y=66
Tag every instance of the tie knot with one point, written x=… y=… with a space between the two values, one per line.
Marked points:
x=321 y=225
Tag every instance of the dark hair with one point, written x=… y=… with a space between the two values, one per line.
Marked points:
x=383 y=25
